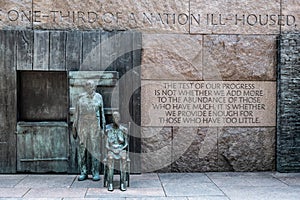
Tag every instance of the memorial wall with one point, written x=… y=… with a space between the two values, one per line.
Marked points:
x=210 y=75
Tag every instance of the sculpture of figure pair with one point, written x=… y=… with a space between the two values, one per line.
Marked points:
x=89 y=126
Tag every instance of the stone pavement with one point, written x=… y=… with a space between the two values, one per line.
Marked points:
x=152 y=186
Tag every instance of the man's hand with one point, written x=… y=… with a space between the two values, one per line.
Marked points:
x=99 y=131
x=74 y=131
x=116 y=151
x=103 y=130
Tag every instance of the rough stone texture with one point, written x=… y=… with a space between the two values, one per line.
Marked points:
x=201 y=154
x=114 y=15
x=208 y=149
x=228 y=11
x=291 y=7
x=193 y=57
x=246 y=149
x=288 y=106
x=238 y=57
x=172 y=57
x=195 y=16
x=156 y=149
x=11 y=15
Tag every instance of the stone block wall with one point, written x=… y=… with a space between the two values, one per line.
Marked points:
x=208 y=57
x=288 y=125
x=195 y=40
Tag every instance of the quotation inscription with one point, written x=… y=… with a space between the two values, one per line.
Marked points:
x=119 y=18
x=209 y=103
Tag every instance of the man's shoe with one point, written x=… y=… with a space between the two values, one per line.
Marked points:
x=110 y=187
x=82 y=177
x=96 y=177
x=123 y=187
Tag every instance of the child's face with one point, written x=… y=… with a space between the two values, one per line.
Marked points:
x=116 y=118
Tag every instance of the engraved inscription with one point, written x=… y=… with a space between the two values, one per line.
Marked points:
x=80 y=17
x=208 y=103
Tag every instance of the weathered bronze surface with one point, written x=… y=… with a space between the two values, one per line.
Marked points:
x=88 y=127
x=116 y=146
x=106 y=84
x=42 y=147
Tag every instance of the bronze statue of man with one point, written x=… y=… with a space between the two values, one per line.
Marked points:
x=116 y=145
x=88 y=126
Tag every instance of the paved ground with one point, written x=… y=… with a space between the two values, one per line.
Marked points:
x=170 y=186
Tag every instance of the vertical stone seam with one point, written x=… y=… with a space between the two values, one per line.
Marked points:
x=280 y=12
x=278 y=103
x=100 y=48
x=218 y=152
x=17 y=36
x=65 y=51
x=32 y=15
x=33 y=50
x=172 y=149
x=32 y=46
x=81 y=53
x=190 y=20
x=202 y=57
x=13 y=135
x=49 y=48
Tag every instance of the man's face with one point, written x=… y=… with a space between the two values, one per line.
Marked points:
x=90 y=88
x=116 y=118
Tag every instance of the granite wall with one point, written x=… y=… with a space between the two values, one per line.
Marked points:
x=288 y=126
x=232 y=57
x=195 y=40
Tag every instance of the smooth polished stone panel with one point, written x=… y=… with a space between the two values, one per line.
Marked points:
x=208 y=103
